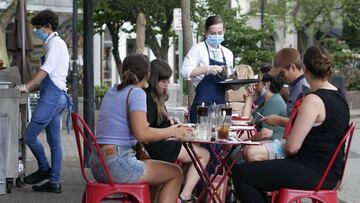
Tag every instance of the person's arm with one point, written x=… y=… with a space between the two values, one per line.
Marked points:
x=144 y=133
x=274 y=120
x=312 y=110
x=263 y=134
x=49 y=65
x=33 y=84
x=206 y=70
x=250 y=92
x=192 y=66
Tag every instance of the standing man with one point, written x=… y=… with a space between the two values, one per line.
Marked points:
x=51 y=78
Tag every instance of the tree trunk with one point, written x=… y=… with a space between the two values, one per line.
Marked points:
x=301 y=38
x=187 y=43
x=140 y=33
x=5 y=18
x=186 y=26
x=152 y=41
x=159 y=51
x=114 y=29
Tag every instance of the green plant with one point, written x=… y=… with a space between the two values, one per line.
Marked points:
x=344 y=61
x=100 y=91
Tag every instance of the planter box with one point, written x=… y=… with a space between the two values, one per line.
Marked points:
x=353 y=98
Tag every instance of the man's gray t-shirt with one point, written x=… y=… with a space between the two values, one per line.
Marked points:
x=275 y=105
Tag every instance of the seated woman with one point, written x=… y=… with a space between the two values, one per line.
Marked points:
x=157 y=116
x=268 y=87
x=122 y=124
x=321 y=123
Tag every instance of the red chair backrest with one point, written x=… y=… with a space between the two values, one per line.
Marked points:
x=80 y=126
x=348 y=136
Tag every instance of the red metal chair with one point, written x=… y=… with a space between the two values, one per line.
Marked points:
x=286 y=195
x=96 y=192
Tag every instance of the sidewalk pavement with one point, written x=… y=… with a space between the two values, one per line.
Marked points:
x=73 y=183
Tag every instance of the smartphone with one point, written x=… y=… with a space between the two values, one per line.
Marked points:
x=259 y=114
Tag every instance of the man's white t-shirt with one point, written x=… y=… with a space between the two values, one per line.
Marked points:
x=56 y=60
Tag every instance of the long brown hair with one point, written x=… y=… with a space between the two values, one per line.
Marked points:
x=160 y=70
x=134 y=69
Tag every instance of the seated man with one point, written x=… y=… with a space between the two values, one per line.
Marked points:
x=288 y=65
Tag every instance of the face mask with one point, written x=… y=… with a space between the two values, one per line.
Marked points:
x=263 y=91
x=215 y=40
x=41 y=34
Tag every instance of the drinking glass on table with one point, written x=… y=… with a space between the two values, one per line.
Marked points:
x=223 y=131
x=214 y=118
x=204 y=131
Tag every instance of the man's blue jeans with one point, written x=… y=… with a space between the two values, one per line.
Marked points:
x=52 y=128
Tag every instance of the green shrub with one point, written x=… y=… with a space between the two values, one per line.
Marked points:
x=100 y=91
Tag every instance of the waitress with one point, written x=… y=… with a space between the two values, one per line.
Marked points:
x=204 y=63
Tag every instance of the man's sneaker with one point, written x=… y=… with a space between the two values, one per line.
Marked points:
x=37 y=177
x=48 y=187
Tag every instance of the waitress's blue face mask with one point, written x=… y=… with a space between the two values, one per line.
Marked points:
x=41 y=34
x=215 y=40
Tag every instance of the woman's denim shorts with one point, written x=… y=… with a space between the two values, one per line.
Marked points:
x=123 y=167
x=275 y=148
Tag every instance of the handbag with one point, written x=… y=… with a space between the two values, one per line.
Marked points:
x=222 y=191
x=141 y=153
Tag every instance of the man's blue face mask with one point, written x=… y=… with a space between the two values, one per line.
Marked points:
x=41 y=34
x=263 y=91
x=215 y=40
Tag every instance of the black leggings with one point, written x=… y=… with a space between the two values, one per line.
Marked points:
x=253 y=178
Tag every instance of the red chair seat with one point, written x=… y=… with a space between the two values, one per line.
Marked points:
x=96 y=192
x=291 y=195
x=286 y=195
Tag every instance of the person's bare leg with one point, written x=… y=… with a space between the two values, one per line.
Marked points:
x=192 y=176
x=166 y=174
x=255 y=153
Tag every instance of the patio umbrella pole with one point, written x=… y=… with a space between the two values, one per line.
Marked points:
x=75 y=70
x=22 y=21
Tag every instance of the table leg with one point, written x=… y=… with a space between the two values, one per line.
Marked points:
x=227 y=168
x=210 y=188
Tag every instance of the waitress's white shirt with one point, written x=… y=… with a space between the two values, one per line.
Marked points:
x=198 y=56
x=56 y=63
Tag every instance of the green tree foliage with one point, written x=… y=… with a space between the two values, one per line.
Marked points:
x=345 y=62
x=307 y=16
x=158 y=15
x=107 y=13
x=243 y=40
x=351 y=24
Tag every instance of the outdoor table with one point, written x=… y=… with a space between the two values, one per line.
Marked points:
x=227 y=147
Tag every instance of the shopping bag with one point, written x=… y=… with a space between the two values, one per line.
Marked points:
x=222 y=189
